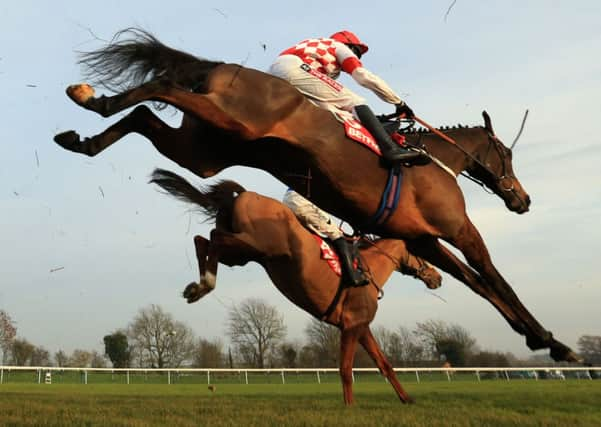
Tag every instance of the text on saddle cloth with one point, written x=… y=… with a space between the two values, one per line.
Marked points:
x=357 y=132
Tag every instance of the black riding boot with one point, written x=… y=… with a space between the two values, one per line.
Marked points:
x=355 y=277
x=392 y=153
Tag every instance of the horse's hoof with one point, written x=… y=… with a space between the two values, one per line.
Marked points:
x=192 y=292
x=81 y=93
x=68 y=139
x=562 y=353
x=433 y=283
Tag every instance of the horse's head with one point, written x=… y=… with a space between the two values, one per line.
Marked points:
x=493 y=166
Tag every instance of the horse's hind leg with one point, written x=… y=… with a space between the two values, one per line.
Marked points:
x=141 y=120
x=470 y=243
x=208 y=262
x=204 y=106
x=370 y=345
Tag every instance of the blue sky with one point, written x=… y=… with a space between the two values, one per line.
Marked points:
x=120 y=245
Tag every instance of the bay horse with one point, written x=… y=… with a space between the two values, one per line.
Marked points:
x=252 y=227
x=239 y=116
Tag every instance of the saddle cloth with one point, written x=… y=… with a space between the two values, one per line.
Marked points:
x=357 y=132
x=329 y=255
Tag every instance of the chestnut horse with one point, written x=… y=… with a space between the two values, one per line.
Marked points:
x=252 y=227
x=240 y=116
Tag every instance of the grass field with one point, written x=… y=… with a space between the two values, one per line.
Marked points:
x=489 y=403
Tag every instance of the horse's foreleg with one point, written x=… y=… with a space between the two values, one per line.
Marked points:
x=470 y=243
x=433 y=251
x=207 y=257
x=370 y=345
x=348 y=346
x=422 y=270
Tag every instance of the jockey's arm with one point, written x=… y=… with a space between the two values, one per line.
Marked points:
x=378 y=86
x=352 y=65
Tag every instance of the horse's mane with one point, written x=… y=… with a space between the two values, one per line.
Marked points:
x=422 y=130
x=135 y=56
x=210 y=201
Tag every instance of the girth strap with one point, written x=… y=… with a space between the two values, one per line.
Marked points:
x=390 y=198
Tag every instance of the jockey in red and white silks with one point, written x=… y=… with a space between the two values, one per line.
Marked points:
x=329 y=57
x=320 y=222
x=313 y=65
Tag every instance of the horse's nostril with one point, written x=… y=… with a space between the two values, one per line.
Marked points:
x=528 y=201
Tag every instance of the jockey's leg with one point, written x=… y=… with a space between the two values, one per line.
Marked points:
x=347 y=258
x=320 y=222
x=392 y=153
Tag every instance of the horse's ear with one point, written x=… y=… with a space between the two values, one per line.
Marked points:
x=487 y=122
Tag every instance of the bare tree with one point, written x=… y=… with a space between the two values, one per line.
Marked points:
x=40 y=357
x=450 y=342
x=21 y=352
x=159 y=341
x=97 y=360
x=8 y=331
x=589 y=347
x=61 y=359
x=80 y=359
x=255 y=328
x=401 y=347
x=208 y=354
x=324 y=344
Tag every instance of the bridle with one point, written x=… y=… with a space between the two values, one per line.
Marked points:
x=505 y=181
x=499 y=181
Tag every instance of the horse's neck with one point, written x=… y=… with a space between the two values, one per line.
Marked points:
x=454 y=157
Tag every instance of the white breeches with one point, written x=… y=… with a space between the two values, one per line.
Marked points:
x=288 y=67
x=311 y=216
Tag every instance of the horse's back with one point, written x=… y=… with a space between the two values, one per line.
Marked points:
x=269 y=221
x=253 y=97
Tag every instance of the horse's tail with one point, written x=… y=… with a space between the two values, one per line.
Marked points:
x=135 y=56
x=218 y=198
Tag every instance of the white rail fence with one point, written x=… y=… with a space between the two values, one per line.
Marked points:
x=49 y=375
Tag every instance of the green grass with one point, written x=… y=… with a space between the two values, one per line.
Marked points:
x=488 y=403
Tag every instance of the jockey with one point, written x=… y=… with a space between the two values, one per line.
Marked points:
x=320 y=223
x=312 y=67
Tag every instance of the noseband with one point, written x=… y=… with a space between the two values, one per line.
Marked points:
x=505 y=181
